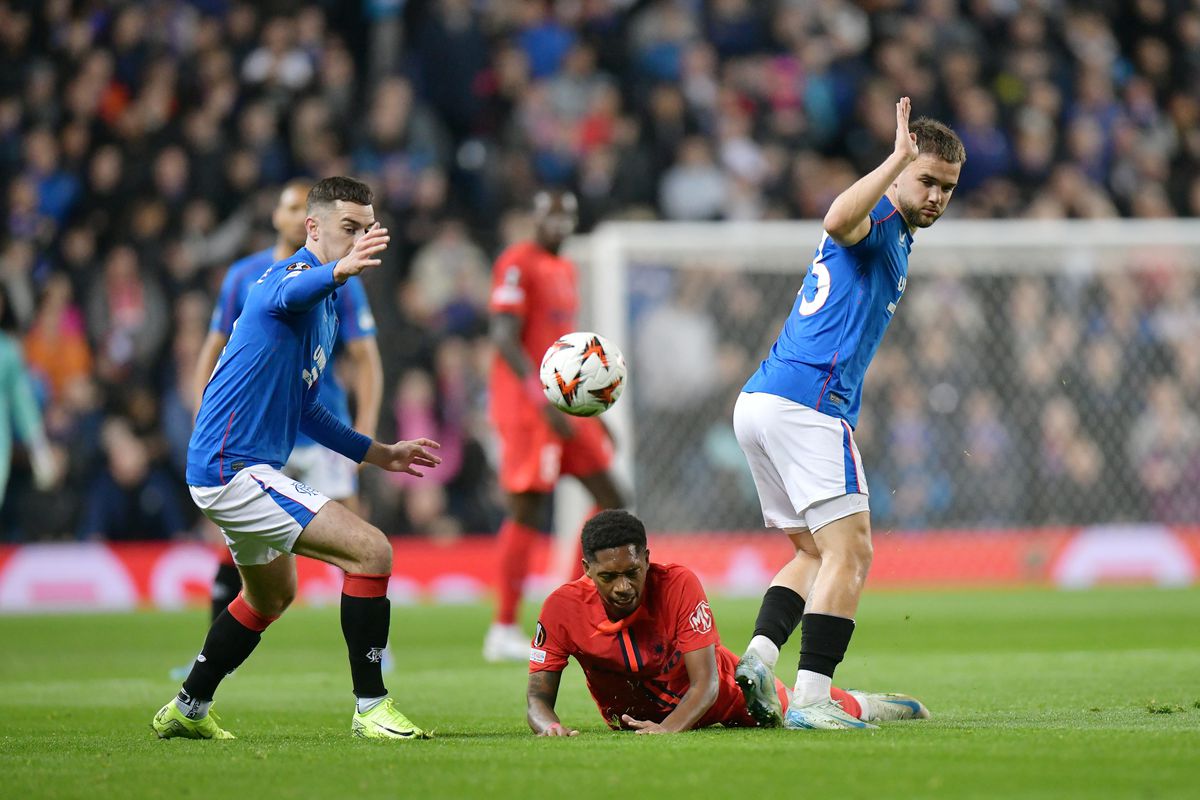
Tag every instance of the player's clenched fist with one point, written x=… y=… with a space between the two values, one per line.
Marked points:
x=365 y=253
x=404 y=456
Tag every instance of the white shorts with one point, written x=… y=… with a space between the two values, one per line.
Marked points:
x=805 y=464
x=330 y=473
x=261 y=512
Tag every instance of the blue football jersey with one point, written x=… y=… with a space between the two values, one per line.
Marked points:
x=353 y=310
x=238 y=279
x=355 y=321
x=266 y=385
x=839 y=318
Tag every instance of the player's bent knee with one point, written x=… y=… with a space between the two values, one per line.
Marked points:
x=376 y=556
x=274 y=603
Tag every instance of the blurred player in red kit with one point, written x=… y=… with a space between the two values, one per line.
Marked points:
x=534 y=301
x=648 y=645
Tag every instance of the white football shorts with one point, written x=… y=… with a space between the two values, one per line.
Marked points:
x=805 y=464
x=261 y=512
x=330 y=473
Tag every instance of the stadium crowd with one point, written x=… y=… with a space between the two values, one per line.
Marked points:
x=142 y=145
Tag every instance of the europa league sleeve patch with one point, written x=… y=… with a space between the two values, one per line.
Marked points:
x=539 y=635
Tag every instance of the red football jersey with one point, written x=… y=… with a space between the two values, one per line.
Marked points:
x=539 y=288
x=638 y=669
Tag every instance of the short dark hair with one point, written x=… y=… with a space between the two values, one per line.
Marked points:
x=938 y=139
x=612 y=527
x=328 y=191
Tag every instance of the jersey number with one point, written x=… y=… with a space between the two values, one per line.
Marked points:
x=815 y=291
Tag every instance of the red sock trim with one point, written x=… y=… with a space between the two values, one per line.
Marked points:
x=362 y=585
x=849 y=704
x=246 y=615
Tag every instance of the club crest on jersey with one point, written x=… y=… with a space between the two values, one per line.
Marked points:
x=701 y=619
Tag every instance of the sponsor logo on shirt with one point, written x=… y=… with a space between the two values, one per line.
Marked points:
x=319 y=361
x=537 y=656
x=701 y=619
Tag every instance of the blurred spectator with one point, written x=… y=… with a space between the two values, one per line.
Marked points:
x=127 y=317
x=1164 y=446
x=141 y=144
x=56 y=346
x=694 y=188
x=20 y=417
x=130 y=498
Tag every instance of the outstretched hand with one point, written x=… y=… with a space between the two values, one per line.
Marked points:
x=643 y=726
x=403 y=456
x=558 y=729
x=365 y=253
x=906 y=143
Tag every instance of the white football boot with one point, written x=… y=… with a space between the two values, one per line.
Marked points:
x=824 y=715
x=889 y=707
x=505 y=643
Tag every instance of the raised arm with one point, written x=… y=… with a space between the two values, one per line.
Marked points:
x=301 y=289
x=701 y=666
x=848 y=219
x=540 y=697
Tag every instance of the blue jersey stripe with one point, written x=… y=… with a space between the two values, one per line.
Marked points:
x=848 y=462
x=301 y=514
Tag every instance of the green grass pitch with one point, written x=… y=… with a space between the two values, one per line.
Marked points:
x=1034 y=694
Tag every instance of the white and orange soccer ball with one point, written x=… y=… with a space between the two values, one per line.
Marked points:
x=583 y=374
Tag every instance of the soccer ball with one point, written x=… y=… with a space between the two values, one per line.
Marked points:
x=583 y=374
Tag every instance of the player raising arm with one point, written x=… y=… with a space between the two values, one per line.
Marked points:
x=646 y=639
x=288 y=221
x=263 y=391
x=795 y=416
x=328 y=472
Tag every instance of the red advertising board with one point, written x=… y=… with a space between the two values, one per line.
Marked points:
x=73 y=576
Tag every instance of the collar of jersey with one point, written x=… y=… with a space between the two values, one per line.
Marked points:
x=609 y=628
x=305 y=255
x=888 y=211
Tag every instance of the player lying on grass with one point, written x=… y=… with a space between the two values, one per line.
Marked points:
x=648 y=644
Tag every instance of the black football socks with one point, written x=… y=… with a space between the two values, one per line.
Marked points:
x=366 y=618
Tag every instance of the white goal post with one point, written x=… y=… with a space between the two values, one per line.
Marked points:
x=981 y=260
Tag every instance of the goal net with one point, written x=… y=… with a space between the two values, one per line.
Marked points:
x=1036 y=372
